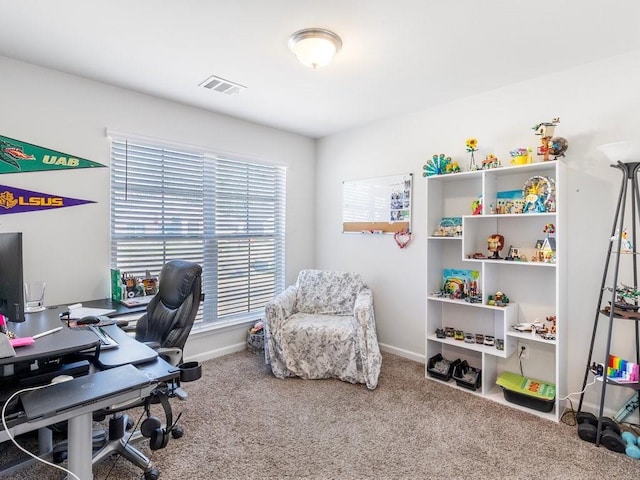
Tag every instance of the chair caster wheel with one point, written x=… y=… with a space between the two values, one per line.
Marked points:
x=152 y=474
x=59 y=457
x=177 y=432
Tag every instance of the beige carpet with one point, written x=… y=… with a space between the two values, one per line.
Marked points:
x=242 y=423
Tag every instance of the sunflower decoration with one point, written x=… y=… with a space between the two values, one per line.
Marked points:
x=472 y=146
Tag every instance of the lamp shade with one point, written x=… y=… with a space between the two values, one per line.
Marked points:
x=625 y=152
x=315 y=47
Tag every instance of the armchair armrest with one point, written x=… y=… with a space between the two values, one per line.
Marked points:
x=285 y=300
x=276 y=313
x=366 y=337
x=280 y=308
x=363 y=309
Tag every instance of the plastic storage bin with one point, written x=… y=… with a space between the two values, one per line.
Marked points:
x=441 y=368
x=527 y=392
x=467 y=376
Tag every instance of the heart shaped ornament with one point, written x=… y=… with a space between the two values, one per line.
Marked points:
x=402 y=238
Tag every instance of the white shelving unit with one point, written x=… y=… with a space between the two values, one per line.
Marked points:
x=535 y=289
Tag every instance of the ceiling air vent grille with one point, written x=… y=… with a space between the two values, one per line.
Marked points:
x=221 y=85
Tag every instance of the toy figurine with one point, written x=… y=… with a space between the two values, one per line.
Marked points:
x=476 y=207
x=452 y=167
x=558 y=146
x=498 y=300
x=490 y=161
x=545 y=130
x=495 y=243
x=520 y=156
x=534 y=203
x=627 y=244
x=440 y=164
x=549 y=229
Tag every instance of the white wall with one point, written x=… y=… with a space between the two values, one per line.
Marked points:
x=597 y=103
x=69 y=249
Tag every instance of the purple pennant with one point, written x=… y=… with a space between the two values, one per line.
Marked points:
x=17 y=200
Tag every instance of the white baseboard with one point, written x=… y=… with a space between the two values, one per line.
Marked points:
x=595 y=408
x=238 y=347
x=416 y=357
x=204 y=356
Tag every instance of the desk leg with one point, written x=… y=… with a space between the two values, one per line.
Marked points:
x=45 y=441
x=80 y=446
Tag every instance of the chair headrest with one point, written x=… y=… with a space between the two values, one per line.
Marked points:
x=176 y=281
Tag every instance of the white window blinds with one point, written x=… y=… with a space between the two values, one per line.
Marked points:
x=227 y=215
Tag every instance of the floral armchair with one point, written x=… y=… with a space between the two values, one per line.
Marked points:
x=323 y=327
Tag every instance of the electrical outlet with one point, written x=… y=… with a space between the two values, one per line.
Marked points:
x=524 y=352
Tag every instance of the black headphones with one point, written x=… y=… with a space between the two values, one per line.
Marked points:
x=151 y=427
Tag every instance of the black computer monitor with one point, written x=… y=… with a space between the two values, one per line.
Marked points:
x=11 y=277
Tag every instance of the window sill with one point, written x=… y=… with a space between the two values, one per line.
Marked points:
x=206 y=328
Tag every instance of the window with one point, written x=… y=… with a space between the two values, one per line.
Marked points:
x=226 y=214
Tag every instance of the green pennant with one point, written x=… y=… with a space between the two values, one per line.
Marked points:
x=19 y=157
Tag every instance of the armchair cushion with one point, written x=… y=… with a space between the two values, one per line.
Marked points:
x=327 y=292
x=322 y=327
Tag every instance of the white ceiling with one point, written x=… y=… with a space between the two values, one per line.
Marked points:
x=397 y=57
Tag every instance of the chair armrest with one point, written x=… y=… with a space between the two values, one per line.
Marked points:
x=363 y=309
x=366 y=337
x=280 y=308
x=283 y=305
x=128 y=328
x=276 y=313
x=173 y=355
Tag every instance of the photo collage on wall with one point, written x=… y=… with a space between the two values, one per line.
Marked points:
x=400 y=207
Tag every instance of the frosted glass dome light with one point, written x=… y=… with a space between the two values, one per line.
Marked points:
x=315 y=47
x=625 y=152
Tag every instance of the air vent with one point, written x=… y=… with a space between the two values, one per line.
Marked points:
x=221 y=85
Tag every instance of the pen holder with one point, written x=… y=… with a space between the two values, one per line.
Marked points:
x=190 y=371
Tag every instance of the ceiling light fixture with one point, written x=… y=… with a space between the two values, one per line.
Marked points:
x=315 y=47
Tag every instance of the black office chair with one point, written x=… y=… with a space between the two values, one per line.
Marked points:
x=170 y=314
x=164 y=327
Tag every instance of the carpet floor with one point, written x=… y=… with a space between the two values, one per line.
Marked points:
x=242 y=423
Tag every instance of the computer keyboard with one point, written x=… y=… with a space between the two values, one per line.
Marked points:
x=136 y=301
